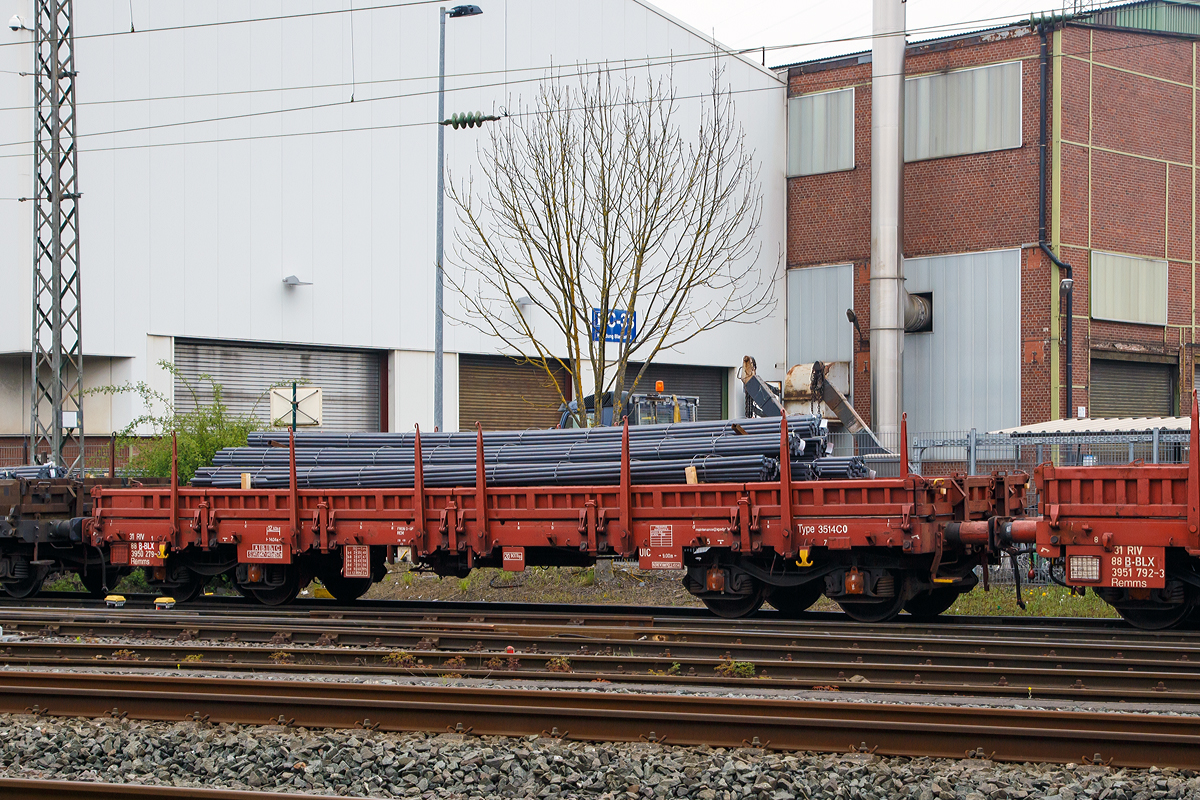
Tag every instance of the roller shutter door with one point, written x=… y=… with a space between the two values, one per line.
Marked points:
x=708 y=383
x=503 y=394
x=349 y=380
x=1131 y=389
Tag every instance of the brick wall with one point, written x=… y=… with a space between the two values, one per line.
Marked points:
x=1128 y=160
x=1126 y=165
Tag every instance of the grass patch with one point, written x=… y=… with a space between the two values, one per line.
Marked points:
x=66 y=582
x=728 y=668
x=1040 y=601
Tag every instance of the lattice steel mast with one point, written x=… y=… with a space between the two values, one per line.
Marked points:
x=57 y=369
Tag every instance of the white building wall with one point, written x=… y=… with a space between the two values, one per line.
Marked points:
x=188 y=230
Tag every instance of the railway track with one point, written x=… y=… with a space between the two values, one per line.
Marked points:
x=1134 y=740
x=1063 y=662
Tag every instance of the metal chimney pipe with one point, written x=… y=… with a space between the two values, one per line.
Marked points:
x=889 y=300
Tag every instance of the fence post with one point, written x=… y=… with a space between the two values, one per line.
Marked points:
x=1154 y=449
x=1038 y=454
x=1131 y=451
x=971 y=453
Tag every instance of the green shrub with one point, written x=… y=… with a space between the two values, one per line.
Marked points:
x=199 y=434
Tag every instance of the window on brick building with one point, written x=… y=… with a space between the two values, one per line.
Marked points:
x=821 y=132
x=1128 y=288
x=964 y=111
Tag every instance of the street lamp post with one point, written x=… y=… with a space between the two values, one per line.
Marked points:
x=457 y=11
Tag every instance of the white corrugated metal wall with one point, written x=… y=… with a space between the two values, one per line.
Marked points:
x=818 y=329
x=966 y=372
x=189 y=226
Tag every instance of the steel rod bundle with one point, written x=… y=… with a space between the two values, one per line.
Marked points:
x=830 y=468
x=709 y=469
x=731 y=451
x=34 y=472
x=766 y=444
x=806 y=426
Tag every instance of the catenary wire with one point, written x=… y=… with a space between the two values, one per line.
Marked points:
x=334 y=104
x=668 y=58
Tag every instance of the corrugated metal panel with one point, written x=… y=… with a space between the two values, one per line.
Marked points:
x=817 y=326
x=710 y=384
x=964 y=111
x=966 y=372
x=821 y=132
x=1161 y=16
x=1115 y=425
x=503 y=394
x=1128 y=289
x=1131 y=389
x=349 y=380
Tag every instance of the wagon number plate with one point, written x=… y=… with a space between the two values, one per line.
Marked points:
x=1137 y=567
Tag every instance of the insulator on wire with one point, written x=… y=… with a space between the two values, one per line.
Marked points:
x=470 y=119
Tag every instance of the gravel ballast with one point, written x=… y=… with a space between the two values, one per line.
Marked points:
x=373 y=764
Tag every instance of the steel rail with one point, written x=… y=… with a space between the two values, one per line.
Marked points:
x=40 y=789
x=1003 y=674
x=388 y=609
x=1135 y=740
x=1059 y=630
x=877 y=679
x=968 y=644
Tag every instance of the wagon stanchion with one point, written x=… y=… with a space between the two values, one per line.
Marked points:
x=1193 y=492
x=481 y=515
x=174 y=527
x=421 y=539
x=627 y=537
x=293 y=496
x=785 y=489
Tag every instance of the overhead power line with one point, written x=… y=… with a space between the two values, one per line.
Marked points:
x=625 y=65
x=366 y=128
x=244 y=21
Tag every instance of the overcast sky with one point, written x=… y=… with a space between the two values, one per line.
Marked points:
x=758 y=23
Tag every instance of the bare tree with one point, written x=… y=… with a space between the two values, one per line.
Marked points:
x=596 y=205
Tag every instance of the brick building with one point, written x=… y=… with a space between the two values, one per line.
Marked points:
x=1118 y=103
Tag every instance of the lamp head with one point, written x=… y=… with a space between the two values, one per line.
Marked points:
x=465 y=11
x=1066 y=285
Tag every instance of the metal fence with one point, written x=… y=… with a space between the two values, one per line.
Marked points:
x=99 y=454
x=975 y=453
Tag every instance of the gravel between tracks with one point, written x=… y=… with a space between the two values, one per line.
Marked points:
x=368 y=763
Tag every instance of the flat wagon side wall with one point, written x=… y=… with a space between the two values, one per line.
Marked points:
x=656 y=522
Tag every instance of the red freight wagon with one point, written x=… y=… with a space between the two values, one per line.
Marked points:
x=876 y=546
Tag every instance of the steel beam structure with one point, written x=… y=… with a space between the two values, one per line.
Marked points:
x=56 y=408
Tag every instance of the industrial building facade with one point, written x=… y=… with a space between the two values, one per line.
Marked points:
x=1120 y=96
x=258 y=200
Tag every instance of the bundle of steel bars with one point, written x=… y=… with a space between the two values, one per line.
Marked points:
x=732 y=451
x=830 y=468
x=807 y=427
x=34 y=472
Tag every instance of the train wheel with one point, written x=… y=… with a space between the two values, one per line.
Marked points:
x=880 y=610
x=26 y=587
x=93 y=581
x=735 y=607
x=931 y=603
x=188 y=591
x=282 y=594
x=1156 y=619
x=792 y=601
x=345 y=589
